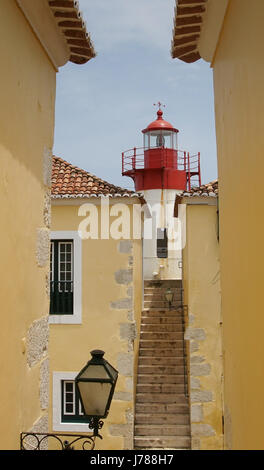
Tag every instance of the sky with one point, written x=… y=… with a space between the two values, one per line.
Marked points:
x=102 y=106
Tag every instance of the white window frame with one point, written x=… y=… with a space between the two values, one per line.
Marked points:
x=71 y=262
x=68 y=413
x=52 y=261
x=76 y=317
x=58 y=425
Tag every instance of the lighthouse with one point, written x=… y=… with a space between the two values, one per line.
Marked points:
x=160 y=171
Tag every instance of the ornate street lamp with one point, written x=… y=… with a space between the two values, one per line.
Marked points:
x=169 y=296
x=96 y=384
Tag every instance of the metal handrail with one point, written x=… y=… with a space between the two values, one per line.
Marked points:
x=185 y=368
x=133 y=159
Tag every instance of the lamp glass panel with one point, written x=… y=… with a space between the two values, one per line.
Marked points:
x=94 y=372
x=153 y=139
x=169 y=297
x=94 y=397
x=112 y=372
x=146 y=140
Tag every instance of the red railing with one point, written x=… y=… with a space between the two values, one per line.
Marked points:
x=133 y=160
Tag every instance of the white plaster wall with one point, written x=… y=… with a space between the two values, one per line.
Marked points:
x=161 y=204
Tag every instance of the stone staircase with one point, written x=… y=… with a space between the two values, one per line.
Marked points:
x=162 y=410
x=154 y=294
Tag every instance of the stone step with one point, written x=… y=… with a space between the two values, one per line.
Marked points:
x=161 y=320
x=161 y=352
x=161 y=370
x=161 y=335
x=162 y=312
x=164 y=398
x=155 y=296
x=161 y=344
x=177 y=283
x=161 y=361
x=160 y=379
x=163 y=408
x=167 y=442
x=162 y=328
x=160 y=304
x=163 y=309
x=159 y=418
x=160 y=388
x=162 y=289
x=161 y=298
x=162 y=430
x=164 y=352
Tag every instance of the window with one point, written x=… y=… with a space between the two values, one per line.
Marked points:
x=162 y=243
x=65 y=278
x=61 y=277
x=71 y=409
x=67 y=413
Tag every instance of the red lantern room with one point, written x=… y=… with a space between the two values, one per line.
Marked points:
x=159 y=164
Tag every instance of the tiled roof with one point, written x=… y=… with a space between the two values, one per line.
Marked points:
x=70 y=22
x=69 y=181
x=210 y=189
x=187 y=28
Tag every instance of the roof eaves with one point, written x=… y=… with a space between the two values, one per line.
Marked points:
x=73 y=27
x=188 y=21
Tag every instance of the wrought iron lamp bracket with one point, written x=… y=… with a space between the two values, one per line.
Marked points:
x=47 y=441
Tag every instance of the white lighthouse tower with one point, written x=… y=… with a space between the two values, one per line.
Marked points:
x=161 y=171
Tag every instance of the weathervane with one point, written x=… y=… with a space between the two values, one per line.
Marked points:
x=159 y=104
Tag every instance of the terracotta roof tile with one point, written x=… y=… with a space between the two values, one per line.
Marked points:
x=209 y=189
x=69 y=181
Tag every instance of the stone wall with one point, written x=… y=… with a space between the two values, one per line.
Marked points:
x=37 y=339
x=128 y=333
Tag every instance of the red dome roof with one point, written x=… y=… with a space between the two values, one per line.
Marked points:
x=159 y=123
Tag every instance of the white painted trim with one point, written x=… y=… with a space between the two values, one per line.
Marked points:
x=93 y=200
x=76 y=318
x=57 y=424
x=199 y=200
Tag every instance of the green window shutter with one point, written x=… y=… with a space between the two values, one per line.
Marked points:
x=61 y=277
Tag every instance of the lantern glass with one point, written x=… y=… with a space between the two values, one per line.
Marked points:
x=169 y=295
x=95 y=396
x=96 y=383
x=111 y=371
x=160 y=138
x=94 y=372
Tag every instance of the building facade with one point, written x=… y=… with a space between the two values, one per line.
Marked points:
x=33 y=46
x=203 y=317
x=96 y=296
x=215 y=31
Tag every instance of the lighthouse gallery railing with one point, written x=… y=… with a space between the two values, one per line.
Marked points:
x=133 y=159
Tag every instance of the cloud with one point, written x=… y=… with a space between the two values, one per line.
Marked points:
x=113 y=22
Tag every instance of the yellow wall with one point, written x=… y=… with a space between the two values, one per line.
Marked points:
x=27 y=96
x=105 y=325
x=201 y=274
x=239 y=103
